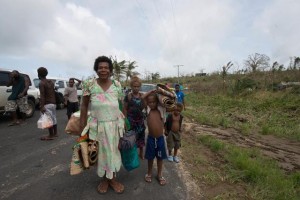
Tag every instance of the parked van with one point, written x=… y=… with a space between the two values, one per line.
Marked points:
x=33 y=94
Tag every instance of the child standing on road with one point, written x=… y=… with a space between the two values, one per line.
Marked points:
x=133 y=110
x=71 y=98
x=155 y=146
x=173 y=128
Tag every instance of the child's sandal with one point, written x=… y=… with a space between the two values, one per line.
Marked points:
x=148 y=178
x=161 y=180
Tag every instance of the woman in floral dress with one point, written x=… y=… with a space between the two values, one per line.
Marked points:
x=133 y=110
x=105 y=122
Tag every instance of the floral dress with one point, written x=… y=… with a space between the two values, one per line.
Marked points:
x=136 y=117
x=105 y=124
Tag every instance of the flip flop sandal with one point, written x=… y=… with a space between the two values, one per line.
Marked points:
x=117 y=187
x=148 y=178
x=103 y=187
x=161 y=180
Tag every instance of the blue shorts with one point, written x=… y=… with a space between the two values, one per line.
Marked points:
x=155 y=147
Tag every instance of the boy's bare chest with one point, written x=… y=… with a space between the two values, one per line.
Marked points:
x=154 y=116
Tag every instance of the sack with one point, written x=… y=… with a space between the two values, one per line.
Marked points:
x=85 y=154
x=128 y=140
x=76 y=163
x=73 y=125
x=45 y=121
x=130 y=158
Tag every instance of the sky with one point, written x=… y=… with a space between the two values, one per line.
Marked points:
x=198 y=35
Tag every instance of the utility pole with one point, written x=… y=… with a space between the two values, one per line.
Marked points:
x=178 y=70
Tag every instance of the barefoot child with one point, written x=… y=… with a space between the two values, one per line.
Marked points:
x=173 y=126
x=155 y=146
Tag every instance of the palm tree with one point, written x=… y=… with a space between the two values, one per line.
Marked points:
x=225 y=69
x=129 y=69
x=119 y=68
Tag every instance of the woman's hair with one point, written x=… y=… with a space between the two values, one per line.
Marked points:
x=135 y=79
x=42 y=72
x=103 y=59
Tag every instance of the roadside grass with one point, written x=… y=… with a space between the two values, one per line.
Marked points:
x=266 y=180
x=265 y=112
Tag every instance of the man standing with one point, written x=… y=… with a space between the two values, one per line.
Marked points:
x=18 y=97
x=179 y=95
x=71 y=98
x=47 y=101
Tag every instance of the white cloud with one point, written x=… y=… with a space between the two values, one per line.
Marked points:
x=199 y=34
x=77 y=38
x=278 y=24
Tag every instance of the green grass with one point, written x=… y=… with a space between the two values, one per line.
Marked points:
x=266 y=113
x=266 y=179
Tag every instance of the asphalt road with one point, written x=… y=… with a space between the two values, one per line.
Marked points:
x=34 y=169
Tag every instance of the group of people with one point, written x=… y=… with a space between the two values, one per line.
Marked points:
x=105 y=122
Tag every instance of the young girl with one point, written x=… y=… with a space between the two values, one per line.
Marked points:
x=133 y=110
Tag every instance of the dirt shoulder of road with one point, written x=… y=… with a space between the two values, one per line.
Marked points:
x=203 y=171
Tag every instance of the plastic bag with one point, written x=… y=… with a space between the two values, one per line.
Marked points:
x=45 y=121
x=130 y=158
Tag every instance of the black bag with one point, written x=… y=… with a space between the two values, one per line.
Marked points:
x=59 y=98
x=128 y=140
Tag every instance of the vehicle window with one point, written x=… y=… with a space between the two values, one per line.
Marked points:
x=146 y=88
x=4 y=78
x=60 y=84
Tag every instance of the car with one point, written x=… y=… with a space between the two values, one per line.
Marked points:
x=32 y=93
x=60 y=85
x=145 y=87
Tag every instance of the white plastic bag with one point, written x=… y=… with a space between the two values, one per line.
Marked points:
x=45 y=121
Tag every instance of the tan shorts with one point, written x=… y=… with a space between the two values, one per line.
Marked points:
x=173 y=140
x=12 y=105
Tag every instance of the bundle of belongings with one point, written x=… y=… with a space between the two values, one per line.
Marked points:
x=166 y=97
x=85 y=154
x=73 y=125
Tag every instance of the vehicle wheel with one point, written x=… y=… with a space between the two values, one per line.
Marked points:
x=31 y=108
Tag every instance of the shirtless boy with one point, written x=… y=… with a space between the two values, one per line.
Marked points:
x=173 y=126
x=155 y=145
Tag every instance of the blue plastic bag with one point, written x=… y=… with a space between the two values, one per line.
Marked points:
x=130 y=158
